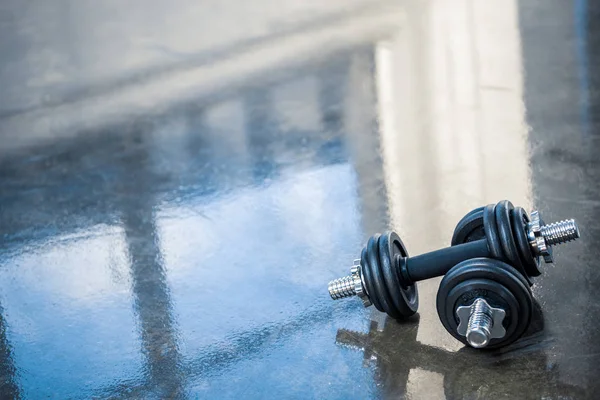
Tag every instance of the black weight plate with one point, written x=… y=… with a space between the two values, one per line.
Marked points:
x=405 y=299
x=491 y=232
x=519 y=222
x=505 y=230
x=377 y=280
x=469 y=228
x=368 y=279
x=486 y=275
x=496 y=295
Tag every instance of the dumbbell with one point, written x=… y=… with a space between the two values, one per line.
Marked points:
x=487 y=303
x=525 y=252
x=386 y=276
x=484 y=302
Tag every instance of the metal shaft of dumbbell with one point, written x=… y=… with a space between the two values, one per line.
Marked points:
x=438 y=262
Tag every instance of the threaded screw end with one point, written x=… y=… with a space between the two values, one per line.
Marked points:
x=342 y=287
x=480 y=324
x=560 y=232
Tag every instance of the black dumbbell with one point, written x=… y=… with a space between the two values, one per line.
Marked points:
x=485 y=303
x=528 y=247
x=482 y=302
x=386 y=277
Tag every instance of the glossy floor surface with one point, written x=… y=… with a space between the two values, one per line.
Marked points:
x=172 y=235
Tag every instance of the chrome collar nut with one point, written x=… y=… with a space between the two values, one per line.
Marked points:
x=542 y=237
x=351 y=285
x=359 y=287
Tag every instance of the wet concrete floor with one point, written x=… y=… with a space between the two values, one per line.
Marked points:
x=184 y=251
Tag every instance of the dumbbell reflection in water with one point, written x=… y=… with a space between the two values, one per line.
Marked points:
x=496 y=251
x=393 y=351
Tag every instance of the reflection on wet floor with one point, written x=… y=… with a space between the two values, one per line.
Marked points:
x=400 y=360
x=195 y=223
x=185 y=252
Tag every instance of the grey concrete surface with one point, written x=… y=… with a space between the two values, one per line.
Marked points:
x=62 y=50
x=184 y=251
